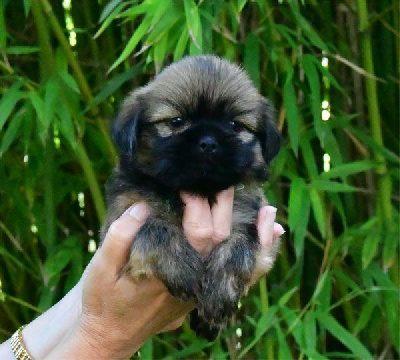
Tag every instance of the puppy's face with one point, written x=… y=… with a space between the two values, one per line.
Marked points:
x=200 y=126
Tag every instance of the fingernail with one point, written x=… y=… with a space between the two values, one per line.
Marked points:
x=139 y=211
x=269 y=212
x=278 y=229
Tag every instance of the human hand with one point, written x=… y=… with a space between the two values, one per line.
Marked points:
x=118 y=314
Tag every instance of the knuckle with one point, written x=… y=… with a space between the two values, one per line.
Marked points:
x=198 y=232
x=116 y=231
x=221 y=234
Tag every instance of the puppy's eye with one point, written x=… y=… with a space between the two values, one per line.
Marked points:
x=177 y=122
x=236 y=126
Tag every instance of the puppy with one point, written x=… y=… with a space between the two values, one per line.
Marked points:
x=200 y=126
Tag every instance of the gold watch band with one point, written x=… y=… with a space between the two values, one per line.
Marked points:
x=17 y=346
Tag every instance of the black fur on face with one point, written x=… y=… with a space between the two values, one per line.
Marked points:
x=200 y=126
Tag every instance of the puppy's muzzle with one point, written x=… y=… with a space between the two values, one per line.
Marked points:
x=208 y=144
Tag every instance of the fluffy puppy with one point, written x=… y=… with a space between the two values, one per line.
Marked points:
x=200 y=126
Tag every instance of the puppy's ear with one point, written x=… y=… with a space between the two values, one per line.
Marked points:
x=268 y=132
x=124 y=129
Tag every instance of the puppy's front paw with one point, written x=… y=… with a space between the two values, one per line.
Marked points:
x=180 y=271
x=164 y=252
x=226 y=277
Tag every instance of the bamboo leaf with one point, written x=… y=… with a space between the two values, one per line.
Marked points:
x=365 y=315
x=193 y=24
x=11 y=133
x=50 y=103
x=109 y=20
x=290 y=102
x=297 y=197
x=266 y=321
x=306 y=27
x=390 y=247
x=8 y=102
x=133 y=41
x=241 y=4
x=108 y=9
x=321 y=284
x=310 y=331
x=313 y=79
x=181 y=44
x=308 y=156
x=344 y=336
x=284 y=350
x=286 y=297
x=58 y=261
x=65 y=124
x=347 y=169
x=370 y=248
x=114 y=84
x=332 y=186
x=196 y=346
x=27 y=7
x=160 y=50
x=21 y=50
x=318 y=210
x=251 y=61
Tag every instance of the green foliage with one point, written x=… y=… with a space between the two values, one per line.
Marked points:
x=334 y=292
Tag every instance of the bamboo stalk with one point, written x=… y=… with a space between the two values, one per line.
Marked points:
x=90 y=175
x=384 y=181
x=46 y=69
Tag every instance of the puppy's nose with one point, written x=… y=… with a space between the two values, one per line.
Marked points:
x=208 y=144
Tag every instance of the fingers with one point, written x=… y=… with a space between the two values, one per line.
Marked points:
x=221 y=214
x=120 y=236
x=268 y=229
x=197 y=222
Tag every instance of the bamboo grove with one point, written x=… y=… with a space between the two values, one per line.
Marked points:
x=332 y=70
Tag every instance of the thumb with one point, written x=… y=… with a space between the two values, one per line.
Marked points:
x=120 y=235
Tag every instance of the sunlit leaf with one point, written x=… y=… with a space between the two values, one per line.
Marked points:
x=194 y=26
x=133 y=41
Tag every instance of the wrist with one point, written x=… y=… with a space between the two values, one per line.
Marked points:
x=45 y=332
x=86 y=341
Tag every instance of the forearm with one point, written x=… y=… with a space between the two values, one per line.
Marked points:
x=42 y=334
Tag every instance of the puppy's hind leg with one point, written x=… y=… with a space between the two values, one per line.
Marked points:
x=162 y=250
